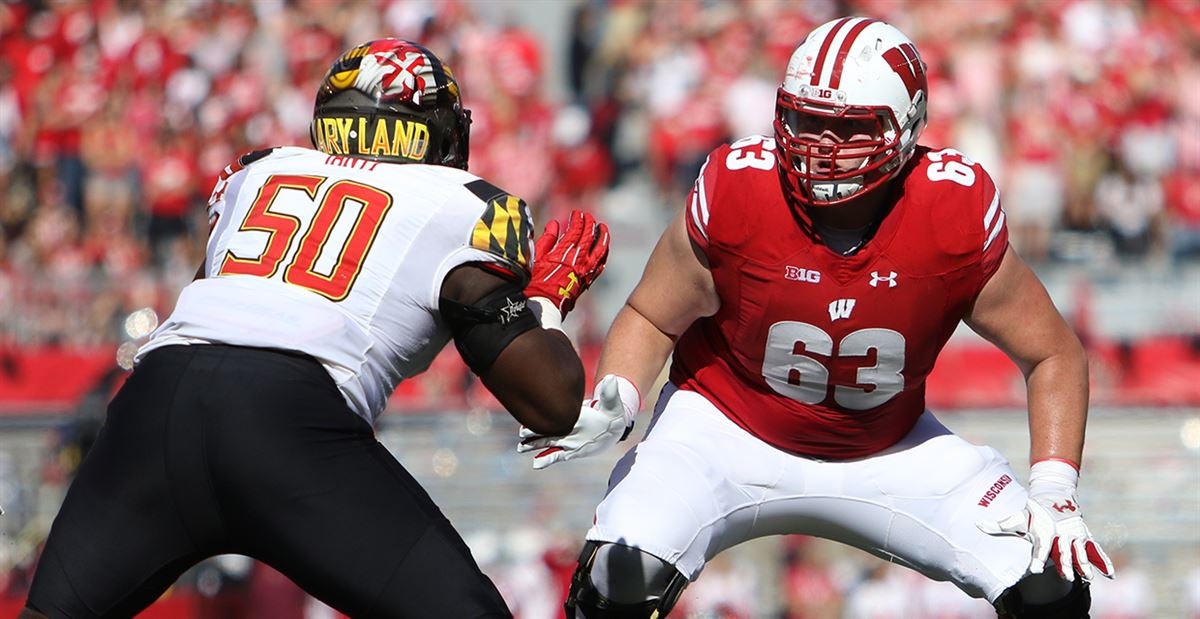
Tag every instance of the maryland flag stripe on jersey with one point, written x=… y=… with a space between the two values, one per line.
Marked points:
x=505 y=228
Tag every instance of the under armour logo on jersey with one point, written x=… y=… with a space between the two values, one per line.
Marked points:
x=798 y=274
x=890 y=278
x=841 y=308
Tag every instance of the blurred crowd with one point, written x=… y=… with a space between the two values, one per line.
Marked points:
x=117 y=115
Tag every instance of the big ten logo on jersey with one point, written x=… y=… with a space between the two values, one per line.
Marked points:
x=391 y=137
x=756 y=151
x=337 y=226
x=797 y=274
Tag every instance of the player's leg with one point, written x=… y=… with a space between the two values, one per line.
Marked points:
x=119 y=539
x=685 y=493
x=307 y=488
x=917 y=504
x=616 y=580
x=1045 y=596
x=995 y=566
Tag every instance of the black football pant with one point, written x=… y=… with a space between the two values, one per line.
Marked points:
x=218 y=449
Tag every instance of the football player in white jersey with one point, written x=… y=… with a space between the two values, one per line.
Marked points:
x=330 y=276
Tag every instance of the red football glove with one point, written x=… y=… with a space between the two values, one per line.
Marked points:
x=565 y=263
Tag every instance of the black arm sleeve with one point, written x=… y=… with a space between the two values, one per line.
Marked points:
x=484 y=328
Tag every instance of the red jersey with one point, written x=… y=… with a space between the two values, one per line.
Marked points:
x=819 y=353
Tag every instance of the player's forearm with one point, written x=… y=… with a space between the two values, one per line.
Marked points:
x=539 y=380
x=635 y=349
x=1057 y=389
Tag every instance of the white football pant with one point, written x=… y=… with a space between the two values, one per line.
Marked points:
x=698 y=484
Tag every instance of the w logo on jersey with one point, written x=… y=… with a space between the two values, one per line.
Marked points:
x=841 y=308
x=908 y=65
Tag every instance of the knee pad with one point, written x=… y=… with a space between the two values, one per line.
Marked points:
x=659 y=591
x=1074 y=605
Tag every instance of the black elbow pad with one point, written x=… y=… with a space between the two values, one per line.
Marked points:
x=484 y=328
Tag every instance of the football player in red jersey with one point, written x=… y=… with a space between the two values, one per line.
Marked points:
x=806 y=289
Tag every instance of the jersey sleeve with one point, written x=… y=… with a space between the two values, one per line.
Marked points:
x=485 y=226
x=504 y=231
x=699 y=201
x=995 y=230
x=961 y=212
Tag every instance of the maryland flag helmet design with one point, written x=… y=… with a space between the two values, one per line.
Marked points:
x=392 y=100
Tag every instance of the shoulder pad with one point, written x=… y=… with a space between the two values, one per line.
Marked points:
x=253 y=156
x=962 y=200
x=238 y=164
x=733 y=176
x=216 y=199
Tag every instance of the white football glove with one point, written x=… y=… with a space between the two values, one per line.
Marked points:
x=1053 y=522
x=602 y=422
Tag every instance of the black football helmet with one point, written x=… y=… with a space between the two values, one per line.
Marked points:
x=394 y=101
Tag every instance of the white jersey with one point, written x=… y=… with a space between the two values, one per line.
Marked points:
x=343 y=259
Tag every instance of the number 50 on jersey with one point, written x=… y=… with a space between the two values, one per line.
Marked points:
x=338 y=224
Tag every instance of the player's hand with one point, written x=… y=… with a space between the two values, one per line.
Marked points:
x=568 y=259
x=1053 y=522
x=603 y=421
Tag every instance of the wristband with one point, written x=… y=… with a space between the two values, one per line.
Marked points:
x=1074 y=464
x=637 y=403
x=1052 y=475
x=547 y=313
x=631 y=398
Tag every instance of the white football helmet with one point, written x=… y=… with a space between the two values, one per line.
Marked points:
x=849 y=111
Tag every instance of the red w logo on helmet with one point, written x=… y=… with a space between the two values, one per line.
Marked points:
x=907 y=64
